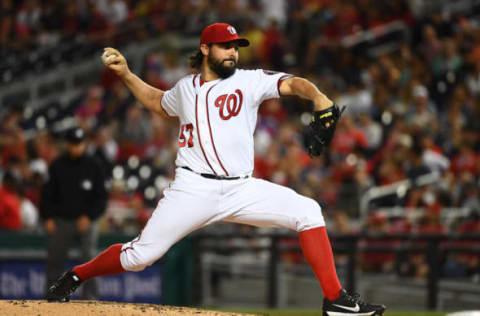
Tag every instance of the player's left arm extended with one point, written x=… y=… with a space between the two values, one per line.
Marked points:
x=307 y=90
x=325 y=115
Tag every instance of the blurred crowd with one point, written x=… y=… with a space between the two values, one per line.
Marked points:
x=33 y=24
x=413 y=109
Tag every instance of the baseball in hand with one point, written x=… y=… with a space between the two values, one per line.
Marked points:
x=107 y=56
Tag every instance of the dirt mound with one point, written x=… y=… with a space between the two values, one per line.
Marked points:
x=87 y=308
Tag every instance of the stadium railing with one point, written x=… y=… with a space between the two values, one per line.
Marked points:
x=351 y=245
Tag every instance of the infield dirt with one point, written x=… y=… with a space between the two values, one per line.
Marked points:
x=91 y=308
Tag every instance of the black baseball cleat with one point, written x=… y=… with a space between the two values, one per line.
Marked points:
x=348 y=305
x=63 y=288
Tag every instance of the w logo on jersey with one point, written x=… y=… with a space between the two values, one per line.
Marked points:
x=229 y=104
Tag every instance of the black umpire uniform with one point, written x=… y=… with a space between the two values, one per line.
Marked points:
x=72 y=200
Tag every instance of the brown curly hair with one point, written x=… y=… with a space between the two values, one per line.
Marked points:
x=195 y=60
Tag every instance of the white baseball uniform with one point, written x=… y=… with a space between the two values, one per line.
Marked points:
x=217 y=122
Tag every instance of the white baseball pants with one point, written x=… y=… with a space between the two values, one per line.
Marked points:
x=192 y=202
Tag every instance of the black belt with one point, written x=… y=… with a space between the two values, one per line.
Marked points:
x=214 y=176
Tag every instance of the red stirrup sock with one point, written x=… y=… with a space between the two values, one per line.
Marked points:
x=107 y=262
x=318 y=252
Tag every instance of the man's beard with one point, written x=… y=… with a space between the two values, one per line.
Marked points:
x=219 y=68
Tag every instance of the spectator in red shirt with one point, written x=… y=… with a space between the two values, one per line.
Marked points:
x=377 y=224
x=12 y=138
x=71 y=21
x=273 y=45
x=348 y=137
x=10 y=217
x=87 y=113
x=465 y=160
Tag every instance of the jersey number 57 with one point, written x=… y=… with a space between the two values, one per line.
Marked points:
x=183 y=141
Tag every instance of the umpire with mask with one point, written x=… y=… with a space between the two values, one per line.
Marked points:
x=73 y=198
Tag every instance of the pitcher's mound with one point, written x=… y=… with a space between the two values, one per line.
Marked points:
x=87 y=308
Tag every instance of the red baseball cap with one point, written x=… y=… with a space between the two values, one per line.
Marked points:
x=221 y=33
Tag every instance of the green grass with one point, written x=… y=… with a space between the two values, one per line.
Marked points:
x=272 y=312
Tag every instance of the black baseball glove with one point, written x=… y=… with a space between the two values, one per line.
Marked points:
x=321 y=129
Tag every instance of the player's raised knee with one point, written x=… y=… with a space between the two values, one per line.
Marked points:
x=311 y=216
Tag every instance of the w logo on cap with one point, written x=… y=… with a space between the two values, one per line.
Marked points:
x=231 y=29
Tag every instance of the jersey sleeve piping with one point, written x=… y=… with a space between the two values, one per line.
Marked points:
x=279 y=82
x=163 y=109
x=193 y=80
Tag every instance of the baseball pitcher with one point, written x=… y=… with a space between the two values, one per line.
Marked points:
x=217 y=109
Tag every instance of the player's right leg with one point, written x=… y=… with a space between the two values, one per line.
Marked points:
x=189 y=203
x=262 y=203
